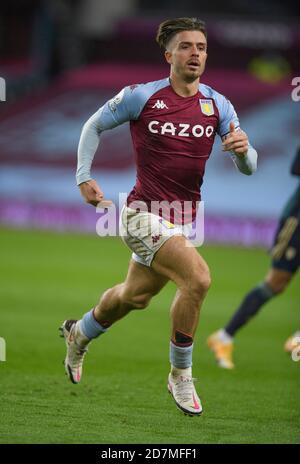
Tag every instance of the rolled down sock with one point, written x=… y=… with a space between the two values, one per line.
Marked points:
x=90 y=327
x=181 y=350
x=181 y=356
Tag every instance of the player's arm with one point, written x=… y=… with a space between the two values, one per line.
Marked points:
x=242 y=153
x=295 y=168
x=113 y=113
x=234 y=139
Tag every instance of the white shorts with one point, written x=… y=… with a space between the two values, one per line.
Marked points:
x=144 y=233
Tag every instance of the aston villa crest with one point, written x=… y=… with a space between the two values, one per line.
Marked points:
x=207 y=107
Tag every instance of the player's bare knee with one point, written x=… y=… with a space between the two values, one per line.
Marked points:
x=198 y=285
x=205 y=282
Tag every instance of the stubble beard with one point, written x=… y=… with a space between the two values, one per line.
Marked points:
x=191 y=76
x=189 y=79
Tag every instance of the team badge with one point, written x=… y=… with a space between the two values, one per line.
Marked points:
x=207 y=107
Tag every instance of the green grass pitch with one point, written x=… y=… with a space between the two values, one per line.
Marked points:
x=48 y=277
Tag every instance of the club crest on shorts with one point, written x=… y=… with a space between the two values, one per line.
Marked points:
x=207 y=107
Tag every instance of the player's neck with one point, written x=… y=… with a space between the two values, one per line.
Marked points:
x=182 y=88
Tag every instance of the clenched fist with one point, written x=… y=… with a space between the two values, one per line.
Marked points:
x=93 y=195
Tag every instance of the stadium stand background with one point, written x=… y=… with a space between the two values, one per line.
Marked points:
x=62 y=59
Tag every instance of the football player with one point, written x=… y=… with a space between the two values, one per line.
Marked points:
x=173 y=124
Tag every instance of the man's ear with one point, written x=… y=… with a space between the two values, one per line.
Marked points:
x=168 y=57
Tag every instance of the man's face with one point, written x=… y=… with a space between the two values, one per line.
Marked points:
x=186 y=53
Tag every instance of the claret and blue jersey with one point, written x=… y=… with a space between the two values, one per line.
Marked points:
x=172 y=137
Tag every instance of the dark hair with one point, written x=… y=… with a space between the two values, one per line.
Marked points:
x=171 y=27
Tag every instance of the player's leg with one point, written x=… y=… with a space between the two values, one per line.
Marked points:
x=183 y=265
x=278 y=280
x=221 y=342
x=286 y=260
x=274 y=283
x=141 y=284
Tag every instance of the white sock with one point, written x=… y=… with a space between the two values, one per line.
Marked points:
x=81 y=339
x=176 y=371
x=224 y=336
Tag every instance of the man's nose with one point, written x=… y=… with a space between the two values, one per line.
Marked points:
x=195 y=50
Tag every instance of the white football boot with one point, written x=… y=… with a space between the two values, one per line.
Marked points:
x=181 y=386
x=76 y=344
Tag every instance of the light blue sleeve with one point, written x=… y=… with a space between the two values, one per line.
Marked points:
x=127 y=105
x=227 y=115
x=123 y=107
x=246 y=164
x=226 y=110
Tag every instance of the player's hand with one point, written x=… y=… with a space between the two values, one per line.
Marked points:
x=236 y=141
x=93 y=195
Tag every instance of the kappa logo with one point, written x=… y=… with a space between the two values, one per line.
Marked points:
x=160 y=105
x=207 y=107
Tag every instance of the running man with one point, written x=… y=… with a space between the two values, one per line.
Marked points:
x=173 y=123
x=285 y=255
